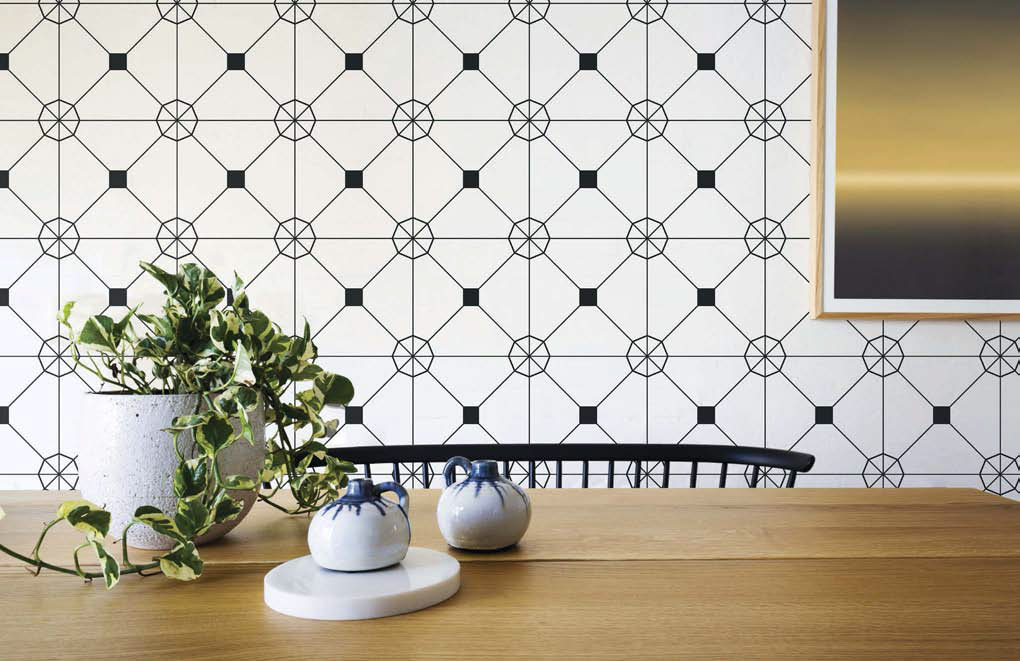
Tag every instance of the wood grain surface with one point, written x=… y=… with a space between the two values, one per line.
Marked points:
x=649 y=573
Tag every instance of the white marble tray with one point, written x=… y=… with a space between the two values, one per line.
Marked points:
x=302 y=588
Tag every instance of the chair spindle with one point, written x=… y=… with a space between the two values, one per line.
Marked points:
x=722 y=475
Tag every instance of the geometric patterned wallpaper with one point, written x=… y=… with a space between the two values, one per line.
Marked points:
x=506 y=222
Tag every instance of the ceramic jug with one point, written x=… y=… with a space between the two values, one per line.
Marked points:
x=484 y=511
x=362 y=530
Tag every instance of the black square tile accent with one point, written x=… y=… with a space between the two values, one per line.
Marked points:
x=354 y=415
x=588 y=179
x=588 y=61
x=588 y=297
x=706 y=178
x=5 y=415
x=235 y=178
x=5 y=61
x=470 y=178
x=941 y=415
x=118 y=178
x=470 y=297
x=5 y=297
x=470 y=61
x=354 y=296
x=354 y=61
x=118 y=296
x=470 y=415
x=5 y=179
x=235 y=61
x=706 y=297
x=706 y=61
x=354 y=178
x=588 y=415
x=706 y=415
x=823 y=415
x=118 y=61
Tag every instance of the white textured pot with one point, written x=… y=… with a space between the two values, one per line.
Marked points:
x=126 y=461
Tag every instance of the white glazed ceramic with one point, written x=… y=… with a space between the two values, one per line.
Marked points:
x=126 y=461
x=485 y=511
x=302 y=588
x=362 y=530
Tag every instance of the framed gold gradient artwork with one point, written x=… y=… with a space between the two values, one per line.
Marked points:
x=917 y=159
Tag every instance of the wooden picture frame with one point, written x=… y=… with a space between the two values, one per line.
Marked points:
x=825 y=304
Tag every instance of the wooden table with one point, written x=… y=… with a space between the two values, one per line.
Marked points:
x=628 y=573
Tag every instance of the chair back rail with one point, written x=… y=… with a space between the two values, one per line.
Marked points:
x=640 y=456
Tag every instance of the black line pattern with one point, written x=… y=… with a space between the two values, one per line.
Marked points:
x=521 y=221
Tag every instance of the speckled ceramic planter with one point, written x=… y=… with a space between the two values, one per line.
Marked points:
x=126 y=461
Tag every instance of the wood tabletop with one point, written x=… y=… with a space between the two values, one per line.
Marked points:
x=628 y=573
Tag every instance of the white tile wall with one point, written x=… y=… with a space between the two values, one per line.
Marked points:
x=639 y=244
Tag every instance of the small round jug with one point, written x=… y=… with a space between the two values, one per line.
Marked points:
x=362 y=530
x=483 y=512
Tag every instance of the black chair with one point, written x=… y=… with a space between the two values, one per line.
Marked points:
x=788 y=461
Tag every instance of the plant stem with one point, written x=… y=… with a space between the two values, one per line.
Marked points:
x=41 y=564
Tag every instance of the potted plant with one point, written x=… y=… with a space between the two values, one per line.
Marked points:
x=177 y=451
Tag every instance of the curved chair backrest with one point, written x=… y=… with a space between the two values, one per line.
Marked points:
x=642 y=458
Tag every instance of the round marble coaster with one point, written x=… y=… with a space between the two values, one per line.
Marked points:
x=302 y=588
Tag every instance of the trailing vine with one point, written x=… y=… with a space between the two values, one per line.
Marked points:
x=210 y=342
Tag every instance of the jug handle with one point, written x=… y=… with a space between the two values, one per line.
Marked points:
x=401 y=492
x=449 y=471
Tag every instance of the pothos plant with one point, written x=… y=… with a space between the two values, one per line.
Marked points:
x=236 y=359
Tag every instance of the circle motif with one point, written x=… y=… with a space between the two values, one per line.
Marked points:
x=529 y=120
x=529 y=238
x=55 y=356
x=294 y=11
x=176 y=238
x=647 y=238
x=647 y=11
x=176 y=120
x=412 y=356
x=529 y=356
x=294 y=120
x=295 y=238
x=647 y=356
x=765 y=238
x=177 y=11
x=58 y=11
x=1000 y=356
x=883 y=356
x=412 y=120
x=765 y=11
x=1000 y=474
x=768 y=476
x=58 y=120
x=412 y=11
x=765 y=356
x=529 y=11
x=647 y=120
x=58 y=238
x=765 y=120
x=413 y=238
x=882 y=470
x=58 y=471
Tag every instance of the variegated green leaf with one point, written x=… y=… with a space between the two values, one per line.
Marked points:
x=213 y=435
x=239 y=482
x=159 y=522
x=336 y=390
x=225 y=508
x=107 y=563
x=191 y=478
x=86 y=517
x=182 y=562
x=192 y=518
